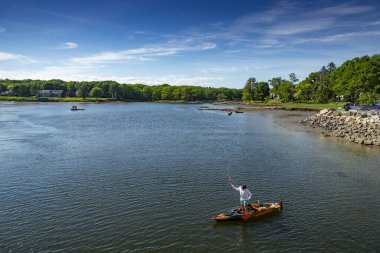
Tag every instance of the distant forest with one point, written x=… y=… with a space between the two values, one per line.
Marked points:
x=356 y=80
x=117 y=91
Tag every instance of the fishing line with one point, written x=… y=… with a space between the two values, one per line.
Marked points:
x=228 y=173
x=230 y=180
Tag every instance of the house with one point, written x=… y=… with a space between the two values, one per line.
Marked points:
x=7 y=93
x=49 y=93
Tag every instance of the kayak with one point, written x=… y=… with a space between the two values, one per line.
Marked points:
x=255 y=212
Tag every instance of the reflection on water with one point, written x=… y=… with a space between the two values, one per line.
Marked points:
x=148 y=177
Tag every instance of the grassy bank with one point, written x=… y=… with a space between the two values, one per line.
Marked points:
x=306 y=106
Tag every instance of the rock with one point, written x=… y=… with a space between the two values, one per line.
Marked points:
x=360 y=127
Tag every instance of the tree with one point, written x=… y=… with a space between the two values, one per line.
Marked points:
x=166 y=92
x=331 y=67
x=303 y=90
x=147 y=92
x=114 y=89
x=356 y=76
x=367 y=99
x=261 y=91
x=293 y=78
x=323 y=92
x=96 y=92
x=275 y=83
x=12 y=88
x=156 y=94
x=82 y=89
x=248 y=89
x=286 y=91
x=71 y=89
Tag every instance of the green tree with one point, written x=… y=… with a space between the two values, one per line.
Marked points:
x=368 y=99
x=12 y=88
x=261 y=91
x=248 y=90
x=275 y=83
x=147 y=92
x=303 y=91
x=293 y=78
x=166 y=92
x=82 y=89
x=331 y=67
x=286 y=91
x=356 y=76
x=156 y=94
x=96 y=92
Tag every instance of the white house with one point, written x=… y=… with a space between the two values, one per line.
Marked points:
x=49 y=93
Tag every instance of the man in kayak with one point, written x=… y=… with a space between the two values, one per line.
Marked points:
x=245 y=196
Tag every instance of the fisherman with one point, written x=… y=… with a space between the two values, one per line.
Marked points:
x=245 y=196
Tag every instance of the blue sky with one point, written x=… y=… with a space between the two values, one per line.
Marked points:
x=198 y=42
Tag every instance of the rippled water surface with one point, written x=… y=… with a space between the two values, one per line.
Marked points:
x=148 y=177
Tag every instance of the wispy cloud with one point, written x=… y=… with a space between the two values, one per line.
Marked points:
x=81 y=73
x=69 y=45
x=286 y=22
x=141 y=54
x=345 y=9
x=4 y=56
x=2 y=29
x=338 y=37
x=296 y=27
x=108 y=57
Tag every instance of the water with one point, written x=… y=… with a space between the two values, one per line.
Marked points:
x=148 y=177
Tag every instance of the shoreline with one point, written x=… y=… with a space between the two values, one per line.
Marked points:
x=294 y=120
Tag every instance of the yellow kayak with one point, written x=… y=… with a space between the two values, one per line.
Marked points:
x=255 y=212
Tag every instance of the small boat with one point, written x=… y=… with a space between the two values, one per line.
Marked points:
x=239 y=112
x=255 y=212
x=74 y=108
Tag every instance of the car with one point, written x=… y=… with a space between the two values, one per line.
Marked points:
x=352 y=106
x=376 y=105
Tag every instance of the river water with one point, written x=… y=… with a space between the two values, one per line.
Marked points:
x=136 y=177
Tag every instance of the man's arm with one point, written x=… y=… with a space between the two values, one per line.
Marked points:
x=249 y=194
x=234 y=187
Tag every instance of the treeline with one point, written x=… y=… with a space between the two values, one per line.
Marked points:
x=356 y=80
x=117 y=91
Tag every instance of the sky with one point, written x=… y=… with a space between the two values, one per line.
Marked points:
x=212 y=43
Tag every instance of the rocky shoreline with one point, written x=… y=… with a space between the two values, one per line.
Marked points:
x=362 y=127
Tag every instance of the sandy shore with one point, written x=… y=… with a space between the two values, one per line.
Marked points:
x=290 y=120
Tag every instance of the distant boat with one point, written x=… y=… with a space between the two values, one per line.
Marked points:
x=74 y=108
x=239 y=112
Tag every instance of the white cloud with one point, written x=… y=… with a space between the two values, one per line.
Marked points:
x=2 y=29
x=108 y=57
x=285 y=22
x=4 y=56
x=69 y=45
x=297 y=27
x=83 y=73
x=140 y=54
x=345 y=9
x=338 y=37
